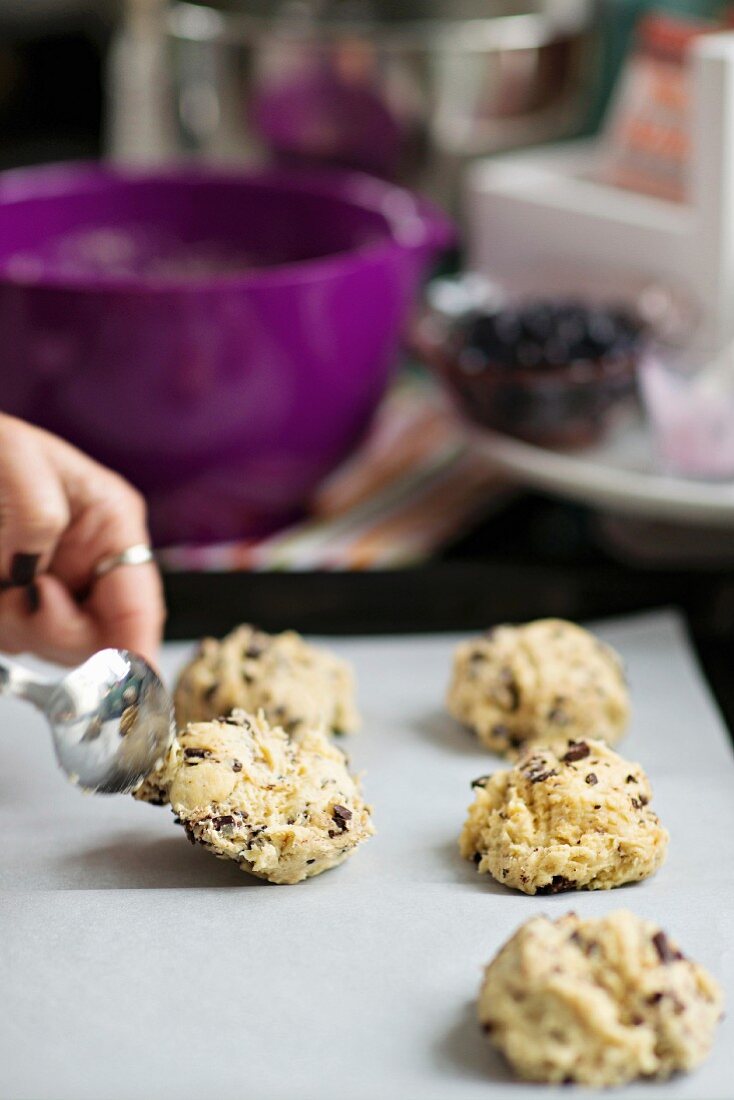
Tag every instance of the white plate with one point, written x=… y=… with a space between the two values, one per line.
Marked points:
x=618 y=475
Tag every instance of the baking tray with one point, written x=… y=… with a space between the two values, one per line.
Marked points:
x=133 y=965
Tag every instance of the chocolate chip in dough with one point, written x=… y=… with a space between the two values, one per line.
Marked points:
x=196 y=754
x=557 y=885
x=666 y=953
x=577 y=751
x=508 y=681
x=536 y=771
x=342 y=816
x=558 y=716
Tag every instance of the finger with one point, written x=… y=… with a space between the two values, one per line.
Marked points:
x=45 y=620
x=128 y=609
x=108 y=517
x=33 y=509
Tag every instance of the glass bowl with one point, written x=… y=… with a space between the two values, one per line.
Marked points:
x=526 y=382
x=689 y=399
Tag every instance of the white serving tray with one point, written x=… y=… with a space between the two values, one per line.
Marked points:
x=133 y=965
x=618 y=475
x=547 y=204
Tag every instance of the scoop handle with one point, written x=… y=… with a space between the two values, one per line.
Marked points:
x=24 y=684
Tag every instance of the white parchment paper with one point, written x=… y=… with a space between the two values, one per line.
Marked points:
x=135 y=966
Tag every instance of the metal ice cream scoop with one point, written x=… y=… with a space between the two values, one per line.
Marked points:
x=111 y=718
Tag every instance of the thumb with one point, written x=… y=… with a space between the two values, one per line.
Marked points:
x=127 y=607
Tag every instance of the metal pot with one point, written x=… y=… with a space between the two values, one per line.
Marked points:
x=405 y=90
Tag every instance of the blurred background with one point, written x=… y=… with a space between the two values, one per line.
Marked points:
x=417 y=297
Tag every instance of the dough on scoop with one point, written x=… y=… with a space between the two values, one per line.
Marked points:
x=598 y=1002
x=567 y=818
x=294 y=684
x=283 y=809
x=534 y=683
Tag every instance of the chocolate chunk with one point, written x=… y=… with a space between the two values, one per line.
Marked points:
x=666 y=953
x=655 y=998
x=236 y=766
x=219 y=822
x=254 y=834
x=536 y=771
x=488 y=1028
x=254 y=651
x=557 y=885
x=508 y=681
x=342 y=816
x=481 y=781
x=577 y=751
x=196 y=754
x=540 y=777
x=477 y=857
x=591 y=779
x=558 y=716
x=631 y=779
x=310 y=861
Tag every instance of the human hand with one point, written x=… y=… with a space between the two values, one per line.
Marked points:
x=61 y=513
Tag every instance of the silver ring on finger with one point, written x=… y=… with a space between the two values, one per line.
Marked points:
x=139 y=554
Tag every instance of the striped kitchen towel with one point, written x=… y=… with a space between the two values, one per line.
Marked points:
x=413 y=486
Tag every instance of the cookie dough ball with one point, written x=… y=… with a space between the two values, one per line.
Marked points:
x=572 y=818
x=283 y=809
x=534 y=683
x=156 y=786
x=598 y=1002
x=294 y=684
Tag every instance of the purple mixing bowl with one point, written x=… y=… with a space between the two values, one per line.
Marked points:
x=220 y=339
